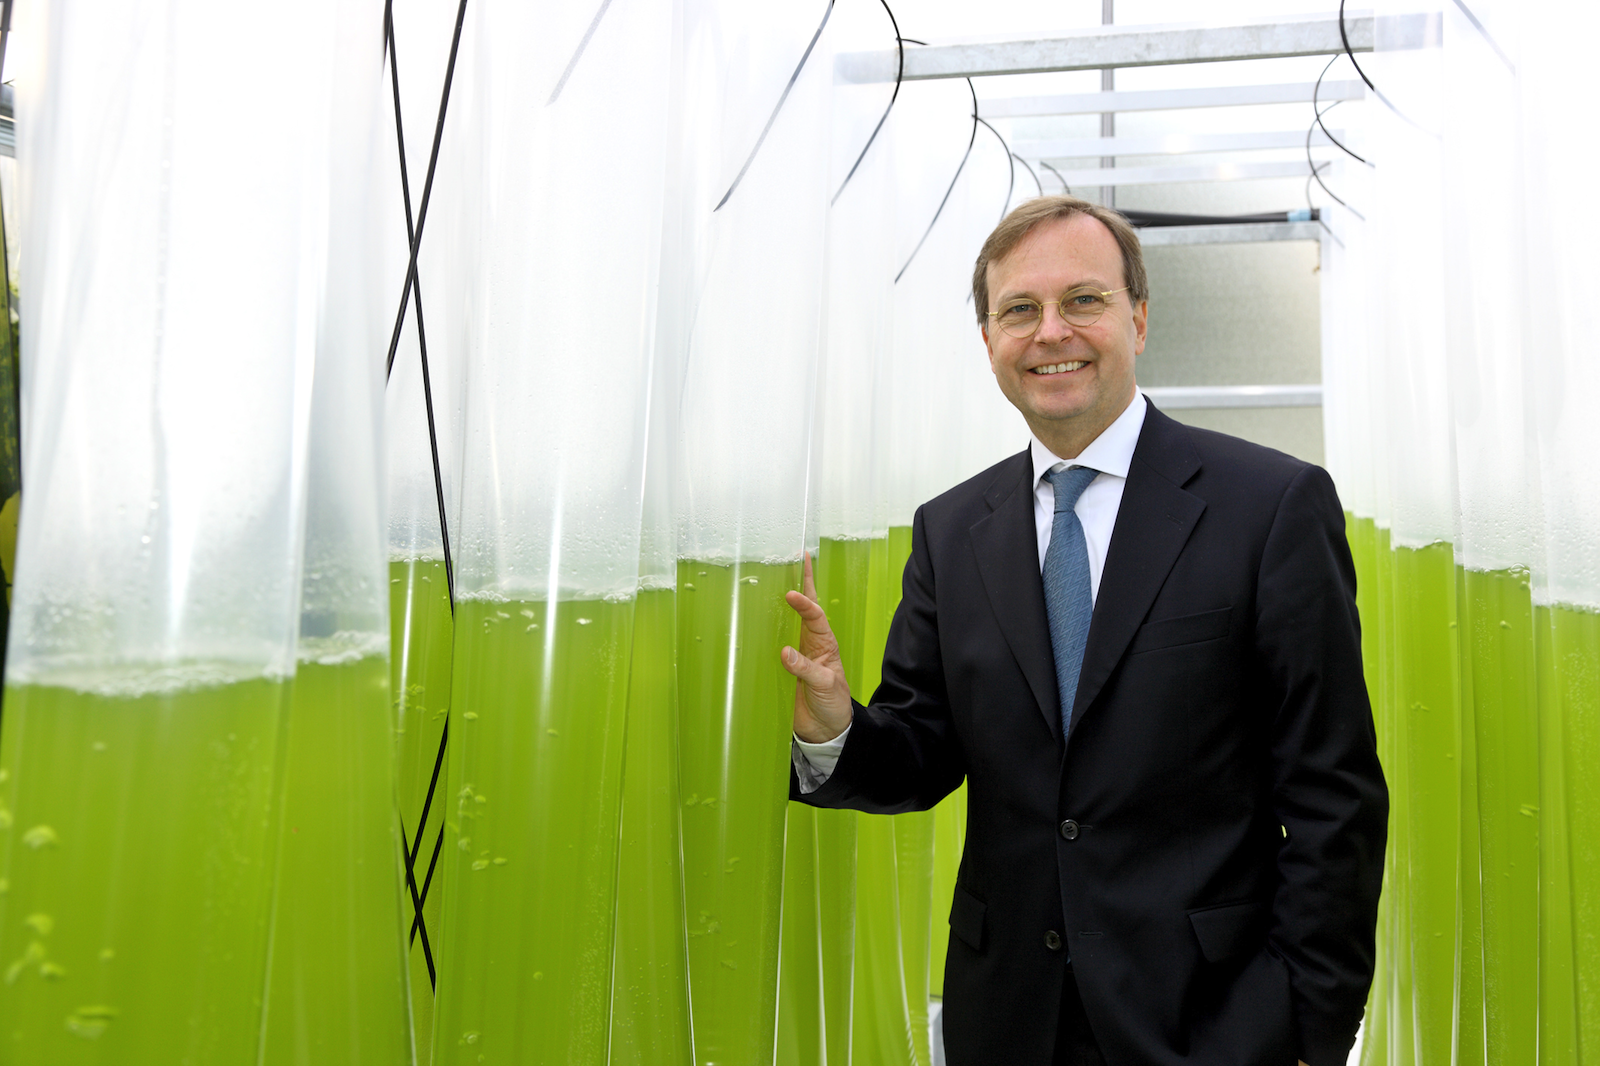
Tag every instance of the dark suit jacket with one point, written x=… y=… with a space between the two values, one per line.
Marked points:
x=1208 y=842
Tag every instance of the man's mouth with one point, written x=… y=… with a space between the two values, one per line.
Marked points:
x=1060 y=368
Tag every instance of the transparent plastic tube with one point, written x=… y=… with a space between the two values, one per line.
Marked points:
x=556 y=350
x=176 y=264
x=755 y=237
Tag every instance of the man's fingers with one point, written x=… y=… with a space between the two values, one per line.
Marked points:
x=810 y=612
x=813 y=674
x=808 y=581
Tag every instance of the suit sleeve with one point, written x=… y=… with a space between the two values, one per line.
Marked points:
x=902 y=753
x=1328 y=788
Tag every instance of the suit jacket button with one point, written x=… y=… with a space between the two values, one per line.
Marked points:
x=1052 y=940
x=1069 y=829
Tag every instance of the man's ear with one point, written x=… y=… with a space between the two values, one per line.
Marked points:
x=1141 y=320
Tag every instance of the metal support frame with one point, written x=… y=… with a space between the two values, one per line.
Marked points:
x=1117 y=46
x=1171 y=144
x=1181 y=397
x=1170 y=99
x=1168 y=175
x=1230 y=233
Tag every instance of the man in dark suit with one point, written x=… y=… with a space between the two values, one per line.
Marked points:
x=1138 y=643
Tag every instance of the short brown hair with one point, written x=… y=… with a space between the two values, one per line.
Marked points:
x=1021 y=221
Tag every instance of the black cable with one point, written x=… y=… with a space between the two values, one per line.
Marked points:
x=583 y=45
x=1465 y=10
x=420 y=898
x=427 y=185
x=1011 y=183
x=414 y=239
x=1315 y=212
x=1030 y=171
x=418 y=925
x=1345 y=37
x=1315 y=168
x=781 y=99
x=1064 y=186
x=971 y=140
x=899 y=75
x=1316 y=110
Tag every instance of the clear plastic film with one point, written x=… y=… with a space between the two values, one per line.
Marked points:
x=1473 y=534
x=178 y=269
x=337 y=988
x=556 y=351
x=755 y=196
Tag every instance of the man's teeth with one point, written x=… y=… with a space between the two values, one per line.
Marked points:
x=1059 y=368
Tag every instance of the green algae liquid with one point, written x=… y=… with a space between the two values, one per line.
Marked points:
x=736 y=708
x=650 y=987
x=1569 y=689
x=421 y=635
x=537 y=713
x=1498 y=637
x=337 y=984
x=136 y=868
x=802 y=1019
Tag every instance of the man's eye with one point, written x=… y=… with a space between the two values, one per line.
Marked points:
x=1085 y=299
x=1024 y=309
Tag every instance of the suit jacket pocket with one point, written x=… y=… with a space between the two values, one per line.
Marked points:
x=966 y=918
x=1187 y=629
x=1230 y=929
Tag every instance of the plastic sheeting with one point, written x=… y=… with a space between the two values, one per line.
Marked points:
x=198 y=302
x=1457 y=362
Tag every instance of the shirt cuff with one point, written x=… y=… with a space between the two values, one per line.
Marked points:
x=814 y=763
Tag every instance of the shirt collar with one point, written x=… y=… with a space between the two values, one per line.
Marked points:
x=1110 y=453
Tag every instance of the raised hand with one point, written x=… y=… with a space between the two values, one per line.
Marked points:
x=822 y=698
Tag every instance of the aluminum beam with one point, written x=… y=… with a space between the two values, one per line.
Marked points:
x=1178 y=397
x=1116 y=46
x=1230 y=233
x=1169 y=99
x=1166 y=175
x=1169 y=144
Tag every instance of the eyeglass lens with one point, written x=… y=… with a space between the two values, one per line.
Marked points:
x=1081 y=307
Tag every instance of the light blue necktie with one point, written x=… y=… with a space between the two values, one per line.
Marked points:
x=1068 y=599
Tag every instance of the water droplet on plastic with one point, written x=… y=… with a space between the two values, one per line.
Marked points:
x=98 y=745
x=480 y=799
x=552 y=732
x=526 y=612
x=470 y=1037
x=585 y=621
x=40 y=836
x=689 y=585
x=500 y=860
x=538 y=975
x=42 y=924
x=51 y=972
x=753 y=581
x=470 y=716
x=480 y=864
x=694 y=797
x=106 y=954
x=465 y=844
x=5 y=818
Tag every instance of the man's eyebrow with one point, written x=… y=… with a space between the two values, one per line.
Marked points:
x=1084 y=283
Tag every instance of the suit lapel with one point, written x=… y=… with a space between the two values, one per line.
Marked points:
x=1007 y=548
x=1153 y=524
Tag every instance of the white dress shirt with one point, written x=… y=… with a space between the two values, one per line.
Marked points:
x=1111 y=453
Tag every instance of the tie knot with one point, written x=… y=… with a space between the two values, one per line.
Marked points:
x=1069 y=483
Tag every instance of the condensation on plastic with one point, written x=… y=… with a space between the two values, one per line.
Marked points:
x=174 y=259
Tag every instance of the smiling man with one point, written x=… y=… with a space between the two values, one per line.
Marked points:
x=1138 y=643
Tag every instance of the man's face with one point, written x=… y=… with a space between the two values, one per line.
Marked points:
x=1070 y=382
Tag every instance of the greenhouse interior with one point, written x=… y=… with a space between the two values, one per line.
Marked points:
x=392 y=659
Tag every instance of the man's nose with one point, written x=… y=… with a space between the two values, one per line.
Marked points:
x=1053 y=325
